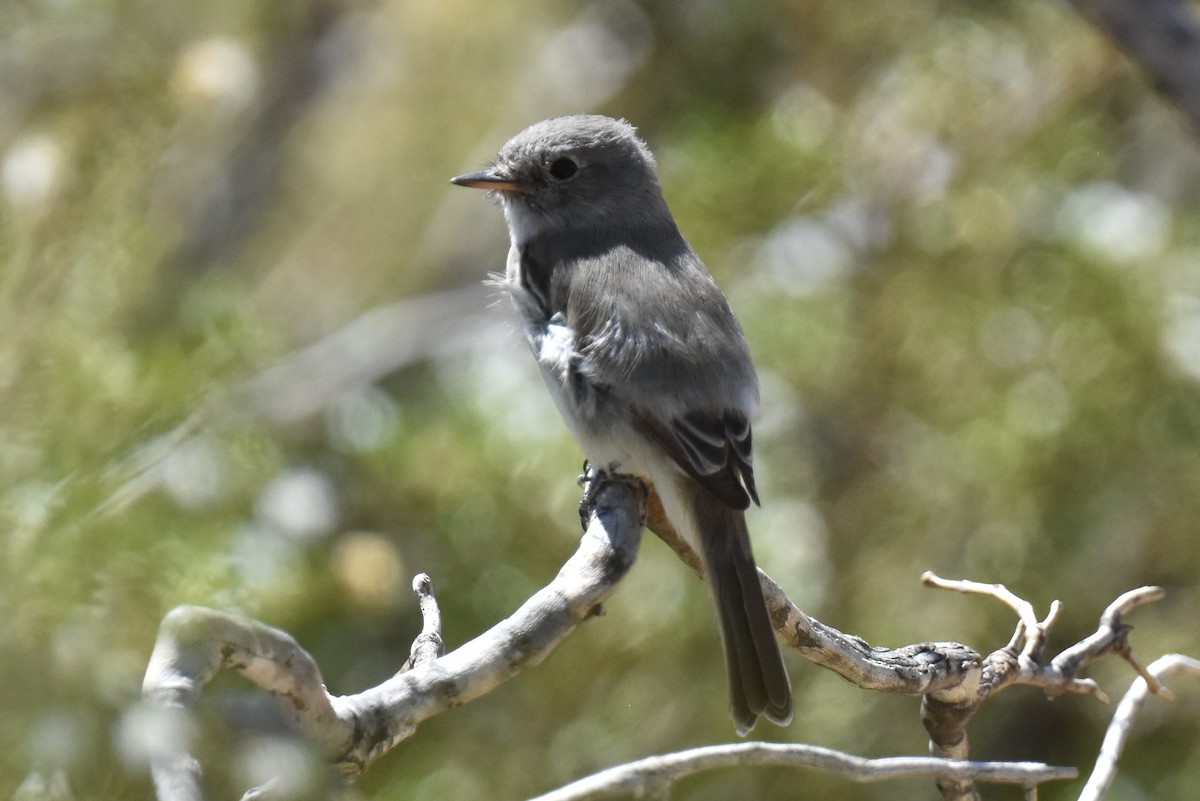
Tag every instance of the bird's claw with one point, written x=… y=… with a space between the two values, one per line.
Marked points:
x=593 y=479
x=589 y=479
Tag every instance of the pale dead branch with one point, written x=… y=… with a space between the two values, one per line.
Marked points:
x=652 y=777
x=1115 y=738
x=952 y=679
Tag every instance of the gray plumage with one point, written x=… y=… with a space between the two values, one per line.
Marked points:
x=644 y=358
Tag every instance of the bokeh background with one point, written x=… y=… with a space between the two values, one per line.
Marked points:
x=247 y=361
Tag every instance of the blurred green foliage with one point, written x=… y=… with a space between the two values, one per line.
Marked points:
x=961 y=237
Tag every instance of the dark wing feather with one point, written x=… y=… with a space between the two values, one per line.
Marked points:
x=715 y=451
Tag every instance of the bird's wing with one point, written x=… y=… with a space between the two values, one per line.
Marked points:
x=713 y=450
x=660 y=338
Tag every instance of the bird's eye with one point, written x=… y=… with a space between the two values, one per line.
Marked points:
x=563 y=168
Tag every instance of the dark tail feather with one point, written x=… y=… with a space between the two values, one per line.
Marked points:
x=758 y=682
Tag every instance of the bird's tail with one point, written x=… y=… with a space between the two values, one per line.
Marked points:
x=758 y=682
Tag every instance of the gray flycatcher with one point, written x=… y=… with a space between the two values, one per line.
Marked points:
x=644 y=358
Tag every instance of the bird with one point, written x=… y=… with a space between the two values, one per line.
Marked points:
x=644 y=358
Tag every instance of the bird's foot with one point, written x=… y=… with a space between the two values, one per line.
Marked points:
x=589 y=479
x=594 y=478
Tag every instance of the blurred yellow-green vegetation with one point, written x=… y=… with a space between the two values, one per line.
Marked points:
x=246 y=361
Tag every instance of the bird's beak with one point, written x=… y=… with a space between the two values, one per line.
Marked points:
x=490 y=180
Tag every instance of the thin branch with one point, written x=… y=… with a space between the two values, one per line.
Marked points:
x=653 y=776
x=370 y=347
x=1020 y=662
x=1113 y=637
x=236 y=191
x=429 y=644
x=304 y=383
x=1161 y=36
x=1023 y=608
x=1122 y=722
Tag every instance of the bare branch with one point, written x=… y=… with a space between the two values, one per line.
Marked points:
x=1023 y=608
x=1118 y=730
x=194 y=643
x=428 y=645
x=303 y=383
x=1020 y=662
x=953 y=679
x=653 y=776
x=929 y=667
x=1113 y=637
x=364 y=350
x=1162 y=36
